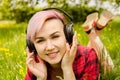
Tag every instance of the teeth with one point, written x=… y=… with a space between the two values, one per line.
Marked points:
x=52 y=55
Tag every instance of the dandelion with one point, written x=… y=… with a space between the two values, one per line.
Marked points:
x=21 y=71
x=4 y=49
x=20 y=62
x=23 y=34
x=78 y=35
x=108 y=47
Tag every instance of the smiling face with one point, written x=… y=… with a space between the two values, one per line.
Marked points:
x=50 y=41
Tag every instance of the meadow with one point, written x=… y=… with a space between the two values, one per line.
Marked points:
x=13 y=46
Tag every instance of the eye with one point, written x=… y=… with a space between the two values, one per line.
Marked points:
x=39 y=40
x=55 y=36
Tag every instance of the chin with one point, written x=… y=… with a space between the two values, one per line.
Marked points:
x=54 y=62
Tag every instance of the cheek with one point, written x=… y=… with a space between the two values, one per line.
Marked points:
x=61 y=44
x=39 y=48
x=40 y=51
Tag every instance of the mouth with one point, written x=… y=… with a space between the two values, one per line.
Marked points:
x=52 y=55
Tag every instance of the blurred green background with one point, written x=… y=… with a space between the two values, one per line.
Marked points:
x=15 y=14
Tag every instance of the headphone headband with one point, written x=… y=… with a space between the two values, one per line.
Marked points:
x=61 y=10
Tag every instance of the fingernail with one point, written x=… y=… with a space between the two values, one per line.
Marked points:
x=67 y=45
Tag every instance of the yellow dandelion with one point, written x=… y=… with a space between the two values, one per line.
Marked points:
x=4 y=49
x=107 y=47
x=24 y=52
x=10 y=55
x=78 y=35
x=21 y=71
x=23 y=35
x=20 y=62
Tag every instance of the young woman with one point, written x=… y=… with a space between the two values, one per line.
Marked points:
x=51 y=56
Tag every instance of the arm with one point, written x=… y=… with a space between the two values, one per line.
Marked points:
x=69 y=74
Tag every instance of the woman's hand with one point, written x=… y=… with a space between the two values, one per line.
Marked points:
x=38 y=69
x=70 y=53
x=68 y=59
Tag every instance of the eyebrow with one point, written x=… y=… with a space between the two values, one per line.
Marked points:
x=50 y=35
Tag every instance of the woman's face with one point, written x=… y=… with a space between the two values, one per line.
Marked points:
x=50 y=41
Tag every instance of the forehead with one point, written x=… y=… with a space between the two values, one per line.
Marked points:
x=38 y=19
x=51 y=26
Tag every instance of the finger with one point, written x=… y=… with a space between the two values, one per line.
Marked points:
x=75 y=39
x=30 y=62
x=74 y=44
x=67 y=48
x=31 y=55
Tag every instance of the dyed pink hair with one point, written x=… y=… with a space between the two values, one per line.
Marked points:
x=38 y=19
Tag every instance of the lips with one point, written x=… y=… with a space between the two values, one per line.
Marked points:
x=52 y=55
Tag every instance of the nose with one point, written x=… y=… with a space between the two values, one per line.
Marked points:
x=49 y=46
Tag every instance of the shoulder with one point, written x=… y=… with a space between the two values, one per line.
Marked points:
x=84 y=50
x=85 y=57
x=85 y=53
x=86 y=61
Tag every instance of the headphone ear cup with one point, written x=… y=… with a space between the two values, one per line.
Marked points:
x=31 y=46
x=69 y=32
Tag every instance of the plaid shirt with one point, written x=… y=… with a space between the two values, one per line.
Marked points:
x=85 y=65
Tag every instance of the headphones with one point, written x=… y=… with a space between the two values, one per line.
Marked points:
x=68 y=30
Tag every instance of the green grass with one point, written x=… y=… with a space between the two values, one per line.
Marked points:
x=12 y=52
x=13 y=55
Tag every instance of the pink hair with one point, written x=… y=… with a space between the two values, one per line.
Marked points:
x=38 y=19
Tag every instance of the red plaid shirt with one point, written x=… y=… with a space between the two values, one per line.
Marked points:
x=85 y=65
